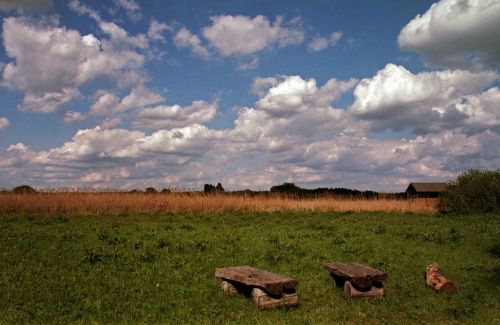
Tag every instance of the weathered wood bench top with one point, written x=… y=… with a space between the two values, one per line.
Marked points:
x=360 y=275
x=250 y=276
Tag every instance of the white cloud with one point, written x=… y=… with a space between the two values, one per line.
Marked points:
x=261 y=86
x=4 y=123
x=120 y=38
x=93 y=177
x=48 y=102
x=191 y=141
x=185 y=39
x=168 y=117
x=98 y=144
x=253 y=64
x=294 y=94
x=456 y=33
x=32 y=5
x=133 y=9
x=320 y=43
x=242 y=35
x=110 y=122
x=72 y=117
x=50 y=62
x=156 y=29
x=107 y=103
x=397 y=99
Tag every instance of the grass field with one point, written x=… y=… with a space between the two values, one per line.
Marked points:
x=159 y=267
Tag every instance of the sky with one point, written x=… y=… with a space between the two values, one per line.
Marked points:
x=362 y=94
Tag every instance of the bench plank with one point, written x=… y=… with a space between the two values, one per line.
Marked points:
x=270 y=282
x=360 y=275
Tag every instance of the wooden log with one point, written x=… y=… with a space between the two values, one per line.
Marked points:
x=264 y=301
x=351 y=292
x=228 y=288
x=360 y=275
x=437 y=281
x=272 y=283
x=337 y=281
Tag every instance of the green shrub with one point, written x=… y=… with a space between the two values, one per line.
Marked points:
x=151 y=190
x=472 y=191
x=23 y=189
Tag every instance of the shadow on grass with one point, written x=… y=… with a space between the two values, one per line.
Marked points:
x=495 y=250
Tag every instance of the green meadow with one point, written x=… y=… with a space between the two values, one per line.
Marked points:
x=159 y=268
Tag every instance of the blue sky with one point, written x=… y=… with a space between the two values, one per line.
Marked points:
x=364 y=94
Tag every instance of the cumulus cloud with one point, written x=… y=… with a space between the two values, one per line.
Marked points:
x=294 y=132
x=261 y=85
x=185 y=39
x=98 y=144
x=51 y=62
x=456 y=33
x=320 y=43
x=93 y=177
x=31 y=5
x=107 y=103
x=4 y=123
x=188 y=142
x=242 y=35
x=294 y=94
x=132 y=8
x=168 y=117
x=253 y=64
x=72 y=117
x=48 y=102
x=156 y=29
x=397 y=99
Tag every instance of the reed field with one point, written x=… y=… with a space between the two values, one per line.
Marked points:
x=114 y=258
x=80 y=203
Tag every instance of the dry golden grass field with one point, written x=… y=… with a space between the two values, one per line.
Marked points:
x=81 y=203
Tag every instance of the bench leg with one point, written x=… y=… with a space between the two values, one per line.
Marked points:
x=264 y=301
x=351 y=292
x=228 y=288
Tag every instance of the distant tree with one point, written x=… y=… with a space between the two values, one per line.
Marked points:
x=286 y=188
x=23 y=189
x=219 y=188
x=151 y=190
x=208 y=188
x=166 y=190
x=474 y=191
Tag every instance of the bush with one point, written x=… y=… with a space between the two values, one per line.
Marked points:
x=151 y=190
x=23 y=189
x=473 y=191
x=209 y=188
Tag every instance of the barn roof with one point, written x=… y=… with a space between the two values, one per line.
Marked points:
x=428 y=187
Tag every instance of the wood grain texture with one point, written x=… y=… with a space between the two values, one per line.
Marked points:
x=359 y=275
x=270 y=282
x=264 y=301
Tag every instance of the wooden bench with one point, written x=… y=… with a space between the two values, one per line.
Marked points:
x=267 y=289
x=358 y=280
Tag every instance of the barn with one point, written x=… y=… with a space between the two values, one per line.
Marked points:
x=431 y=190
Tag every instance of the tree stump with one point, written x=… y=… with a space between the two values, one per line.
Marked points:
x=358 y=280
x=437 y=281
x=268 y=290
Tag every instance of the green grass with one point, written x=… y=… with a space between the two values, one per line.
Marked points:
x=160 y=268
